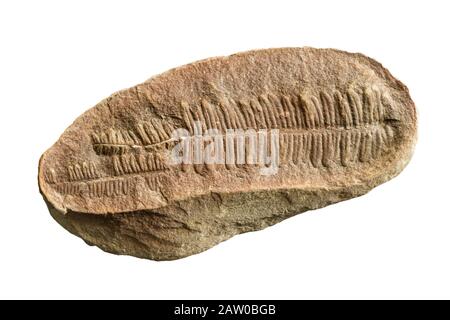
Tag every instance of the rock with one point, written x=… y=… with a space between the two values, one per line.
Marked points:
x=206 y=151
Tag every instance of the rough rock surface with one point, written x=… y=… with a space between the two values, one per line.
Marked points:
x=343 y=125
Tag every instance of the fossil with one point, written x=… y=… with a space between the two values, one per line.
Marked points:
x=326 y=125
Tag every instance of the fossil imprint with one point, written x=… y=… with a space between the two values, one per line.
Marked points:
x=334 y=124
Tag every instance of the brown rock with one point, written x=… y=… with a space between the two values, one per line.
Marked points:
x=343 y=125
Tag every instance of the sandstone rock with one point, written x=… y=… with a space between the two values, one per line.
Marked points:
x=318 y=126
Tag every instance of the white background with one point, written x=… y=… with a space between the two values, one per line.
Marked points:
x=58 y=58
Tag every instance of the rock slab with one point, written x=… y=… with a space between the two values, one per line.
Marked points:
x=203 y=152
